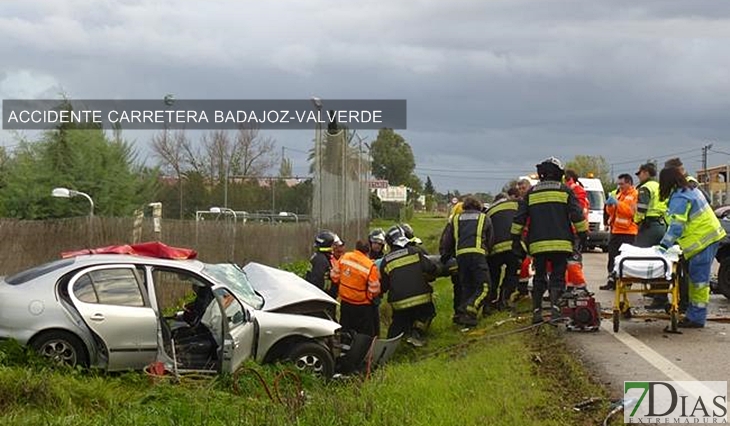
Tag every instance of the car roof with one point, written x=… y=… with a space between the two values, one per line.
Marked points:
x=81 y=260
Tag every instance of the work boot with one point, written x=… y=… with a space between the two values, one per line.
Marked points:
x=610 y=285
x=555 y=295
x=468 y=320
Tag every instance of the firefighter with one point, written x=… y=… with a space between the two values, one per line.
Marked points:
x=402 y=273
x=504 y=266
x=377 y=243
x=526 y=271
x=695 y=228
x=620 y=209
x=469 y=237
x=649 y=216
x=451 y=263
x=359 y=286
x=320 y=272
x=551 y=208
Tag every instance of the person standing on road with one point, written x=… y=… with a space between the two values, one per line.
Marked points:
x=620 y=209
x=695 y=228
x=574 y=276
x=469 y=237
x=402 y=276
x=553 y=211
x=504 y=266
x=359 y=285
x=650 y=211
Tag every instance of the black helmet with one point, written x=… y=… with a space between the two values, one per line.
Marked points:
x=396 y=237
x=325 y=240
x=377 y=236
x=550 y=169
x=407 y=230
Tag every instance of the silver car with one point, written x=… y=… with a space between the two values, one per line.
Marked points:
x=119 y=312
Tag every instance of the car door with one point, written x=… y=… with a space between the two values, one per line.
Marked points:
x=111 y=302
x=238 y=329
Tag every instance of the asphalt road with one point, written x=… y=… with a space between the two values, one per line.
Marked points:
x=642 y=350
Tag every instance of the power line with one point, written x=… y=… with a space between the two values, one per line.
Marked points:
x=660 y=156
x=719 y=152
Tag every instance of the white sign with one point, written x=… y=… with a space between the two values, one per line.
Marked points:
x=395 y=194
x=378 y=184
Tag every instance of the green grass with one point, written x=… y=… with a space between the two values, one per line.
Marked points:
x=494 y=380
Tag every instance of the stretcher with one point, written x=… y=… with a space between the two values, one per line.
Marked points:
x=646 y=271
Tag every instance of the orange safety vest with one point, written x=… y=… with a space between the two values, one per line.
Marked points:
x=621 y=215
x=359 y=279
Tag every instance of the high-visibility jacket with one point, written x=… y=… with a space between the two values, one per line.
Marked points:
x=580 y=195
x=321 y=272
x=692 y=222
x=468 y=232
x=359 y=280
x=621 y=215
x=502 y=214
x=552 y=210
x=649 y=206
x=402 y=277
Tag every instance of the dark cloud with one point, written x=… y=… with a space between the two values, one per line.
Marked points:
x=491 y=86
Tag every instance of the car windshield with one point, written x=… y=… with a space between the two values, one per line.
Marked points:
x=595 y=198
x=235 y=279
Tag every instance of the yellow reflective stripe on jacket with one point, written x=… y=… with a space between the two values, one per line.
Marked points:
x=581 y=226
x=655 y=208
x=502 y=247
x=548 y=197
x=551 y=246
x=400 y=262
x=504 y=205
x=411 y=301
x=516 y=229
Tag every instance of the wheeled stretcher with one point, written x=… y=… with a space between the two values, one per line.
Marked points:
x=646 y=271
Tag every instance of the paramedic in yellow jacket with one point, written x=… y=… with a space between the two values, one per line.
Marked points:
x=695 y=228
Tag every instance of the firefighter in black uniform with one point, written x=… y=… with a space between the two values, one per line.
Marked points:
x=469 y=237
x=504 y=265
x=320 y=269
x=402 y=277
x=551 y=208
x=377 y=244
x=412 y=239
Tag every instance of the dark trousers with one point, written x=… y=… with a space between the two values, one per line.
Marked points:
x=474 y=280
x=457 y=292
x=405 y=320
x=614 y=243
x=359 y=318
x=502 y=286
x=559 y=262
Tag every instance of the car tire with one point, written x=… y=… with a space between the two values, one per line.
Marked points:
x=314 y=358
x=723 y=278
x=61 y=347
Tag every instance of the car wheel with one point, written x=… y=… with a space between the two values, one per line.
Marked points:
x=723 y=278
x=61 y=347
x=314 y=358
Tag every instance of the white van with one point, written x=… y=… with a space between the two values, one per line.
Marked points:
x=597 y=233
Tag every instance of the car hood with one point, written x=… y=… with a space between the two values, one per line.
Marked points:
x=282 y=289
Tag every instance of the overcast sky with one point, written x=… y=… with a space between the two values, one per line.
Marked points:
x=493 y=87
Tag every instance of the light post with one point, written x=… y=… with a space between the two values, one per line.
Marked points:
x=318 y=154
x=69 y=193
x=232 y=212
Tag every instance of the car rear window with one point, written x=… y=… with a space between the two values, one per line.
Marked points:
x=30 y=274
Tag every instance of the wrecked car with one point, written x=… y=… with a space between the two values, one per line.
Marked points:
x=122 y=311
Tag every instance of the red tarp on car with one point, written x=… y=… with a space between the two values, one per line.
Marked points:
x=151 y=249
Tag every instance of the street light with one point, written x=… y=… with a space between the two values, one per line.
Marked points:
x=232 y=212
x=68 y=193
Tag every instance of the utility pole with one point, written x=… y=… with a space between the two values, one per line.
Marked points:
x=705 y=176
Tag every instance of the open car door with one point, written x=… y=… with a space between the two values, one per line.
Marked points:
x=238 y=329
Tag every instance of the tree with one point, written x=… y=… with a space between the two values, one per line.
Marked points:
x=79 y=158
x=428 y=188
x=173 y=152
x=393 y=158
x=598 y=166
x=285 y=169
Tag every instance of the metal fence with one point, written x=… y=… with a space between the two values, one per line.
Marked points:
x=341 y=196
